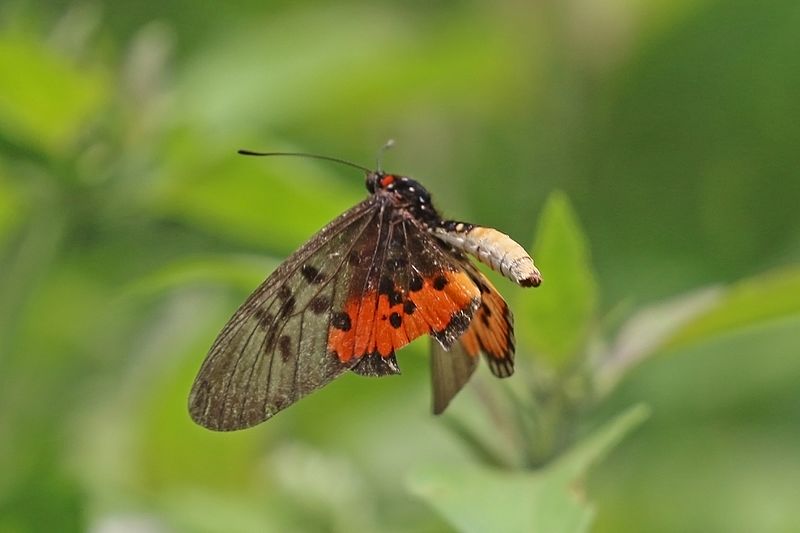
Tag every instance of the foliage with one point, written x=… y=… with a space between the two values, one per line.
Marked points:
x=477 y=499
x=129 y=231
x=562 y=388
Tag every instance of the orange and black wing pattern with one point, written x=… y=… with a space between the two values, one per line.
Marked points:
x=367 y=284
x=490 y=332
x=407 y=286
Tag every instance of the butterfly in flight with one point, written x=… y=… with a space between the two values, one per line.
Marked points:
x=377 y=277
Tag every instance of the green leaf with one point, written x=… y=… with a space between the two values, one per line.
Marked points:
x=477 y=499
x=240 y=272
x=206 y=511
x=647 y=331
x=45 y=100
x=461 y=63
x=558 y=314
x=751 y=302
x=471 y=439
x=699 y=317
x=254 y=201
x=11 y=206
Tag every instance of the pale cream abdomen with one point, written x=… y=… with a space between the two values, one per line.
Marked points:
x=495 y=249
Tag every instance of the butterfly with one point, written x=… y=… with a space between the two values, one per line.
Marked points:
x=383 y=273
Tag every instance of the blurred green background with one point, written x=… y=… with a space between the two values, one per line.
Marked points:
x=130 y=231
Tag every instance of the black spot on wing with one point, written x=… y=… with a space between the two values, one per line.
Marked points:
x=354 y=258
x=288 y=306
x=341 y=321
x=396 y=263
x=263 y=318
x=285 y=347
x=386 y=285
x=388 y=288
x=319 y=304
x=311 y=274
x=395 y=298
x=284 y=292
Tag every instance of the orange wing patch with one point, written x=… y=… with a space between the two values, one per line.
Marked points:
x=383 y=321
x=491 y=330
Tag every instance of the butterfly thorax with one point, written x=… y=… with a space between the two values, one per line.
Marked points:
x=405 y=193
x=488 y=245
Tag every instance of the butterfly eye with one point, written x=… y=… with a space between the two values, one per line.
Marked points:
x=373 y=181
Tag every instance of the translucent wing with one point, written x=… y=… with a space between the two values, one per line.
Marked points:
x=273 y=351
x=450 y=371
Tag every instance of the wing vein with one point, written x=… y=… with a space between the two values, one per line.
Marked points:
x=367 y=278
x=254 y=300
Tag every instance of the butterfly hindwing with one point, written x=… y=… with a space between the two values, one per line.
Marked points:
x=450 y=371
x=491 y=331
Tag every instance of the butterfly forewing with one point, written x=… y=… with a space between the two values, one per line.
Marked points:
x=273 y=350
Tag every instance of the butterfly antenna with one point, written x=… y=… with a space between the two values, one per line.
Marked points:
x=310 y=156
x=379 y=156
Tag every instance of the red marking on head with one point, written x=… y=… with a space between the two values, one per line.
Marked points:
x=387 y=180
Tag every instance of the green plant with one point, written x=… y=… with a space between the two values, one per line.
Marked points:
x=570 y=363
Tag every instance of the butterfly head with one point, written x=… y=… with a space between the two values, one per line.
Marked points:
x=379 y=180
x=403 y=192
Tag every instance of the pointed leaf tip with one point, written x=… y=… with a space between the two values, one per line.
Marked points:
x=556 y=318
